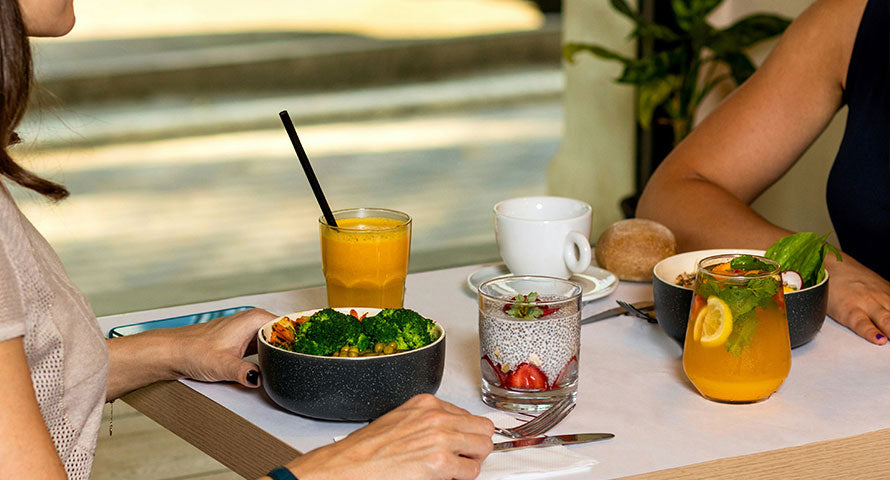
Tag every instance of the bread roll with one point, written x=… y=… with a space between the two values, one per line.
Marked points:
x=631 y=248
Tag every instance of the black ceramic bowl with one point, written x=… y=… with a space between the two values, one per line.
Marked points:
x=353 y=389
x=806 y=308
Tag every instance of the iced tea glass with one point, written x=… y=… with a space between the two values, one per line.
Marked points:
x=737 y=348
x=529 y=338
x=365 y=257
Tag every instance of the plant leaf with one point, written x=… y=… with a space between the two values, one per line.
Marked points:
x=694 y=9
x=747 y=32
x=653 y=66
x=683 y=12
x=691 y=14
x=652 y=94
x=740 y=66
x=743 y=329
x=570 y=49
x=704 y=7
x=625 y=9
x=644 y=28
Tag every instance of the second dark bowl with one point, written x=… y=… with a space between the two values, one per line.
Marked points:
x=805 y=308
x=351 y=389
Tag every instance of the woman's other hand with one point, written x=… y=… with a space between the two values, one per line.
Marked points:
x=214 y=351
x=859 y=299
x=425 y=438
x=211 y=352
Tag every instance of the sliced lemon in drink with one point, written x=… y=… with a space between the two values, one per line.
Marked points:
x=713 y=324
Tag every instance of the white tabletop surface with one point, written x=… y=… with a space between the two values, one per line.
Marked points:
x=631 y=384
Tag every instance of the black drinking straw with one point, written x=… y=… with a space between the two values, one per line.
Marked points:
x=307 y=168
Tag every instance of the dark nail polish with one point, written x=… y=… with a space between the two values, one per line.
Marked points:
x=879 y=336
x=253 y=377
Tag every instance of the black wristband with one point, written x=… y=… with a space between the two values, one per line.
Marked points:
x=281 y=473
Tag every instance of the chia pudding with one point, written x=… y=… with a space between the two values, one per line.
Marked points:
x=529 y=354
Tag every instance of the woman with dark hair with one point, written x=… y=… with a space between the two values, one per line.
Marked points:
x=836 y=53
x=58 y=371
x=16 y=83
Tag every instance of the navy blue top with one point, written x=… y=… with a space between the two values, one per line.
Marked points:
x=858 y=192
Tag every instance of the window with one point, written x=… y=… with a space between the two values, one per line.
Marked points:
x=191 y=191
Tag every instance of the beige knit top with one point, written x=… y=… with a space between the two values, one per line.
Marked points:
x=66 y=353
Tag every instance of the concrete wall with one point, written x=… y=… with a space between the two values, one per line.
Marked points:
x=595 y=161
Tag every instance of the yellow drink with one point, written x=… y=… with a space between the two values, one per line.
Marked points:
x=737 y=348
x=365 y=258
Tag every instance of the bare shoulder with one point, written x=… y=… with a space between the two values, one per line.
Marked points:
x=823 y=36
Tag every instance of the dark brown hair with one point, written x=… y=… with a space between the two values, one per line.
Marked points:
x=16 y=76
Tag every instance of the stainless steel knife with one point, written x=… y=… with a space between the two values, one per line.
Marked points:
x=550 y=441
x=612 y=312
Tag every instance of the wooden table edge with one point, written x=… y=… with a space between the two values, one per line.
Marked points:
x=169 y=404
x=861 y=456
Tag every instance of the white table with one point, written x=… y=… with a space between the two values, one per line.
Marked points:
x=631 y=384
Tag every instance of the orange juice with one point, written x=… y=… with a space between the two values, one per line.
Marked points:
x=365 y=259
x=737 y=347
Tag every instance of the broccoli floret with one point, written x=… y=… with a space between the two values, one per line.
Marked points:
x=415 y=329
x=362 y=342
x=432 y=331
x=381 y=328
x=328 y=330
x=406 y=327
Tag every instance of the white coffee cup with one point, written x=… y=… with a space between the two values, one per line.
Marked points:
x=543 y=235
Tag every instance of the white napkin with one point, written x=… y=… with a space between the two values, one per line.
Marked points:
x=526 y=463
x=529 y=463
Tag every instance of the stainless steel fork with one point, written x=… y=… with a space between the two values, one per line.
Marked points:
x=542 y=423
x=636 y=312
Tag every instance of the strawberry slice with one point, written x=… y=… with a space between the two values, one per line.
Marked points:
x=488 y=365
x=571 y=366
x=526 y=377
x=548 y=310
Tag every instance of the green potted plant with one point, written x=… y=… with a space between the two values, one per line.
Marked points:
x=686 y=59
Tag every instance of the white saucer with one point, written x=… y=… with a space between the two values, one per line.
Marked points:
x=595 y=282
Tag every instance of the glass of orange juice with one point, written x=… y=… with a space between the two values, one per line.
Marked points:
x=737 y=348
x=365 y=257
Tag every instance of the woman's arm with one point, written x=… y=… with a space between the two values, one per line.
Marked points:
x=702 y=191
x=139 y=360
x=210 y=352
x=26 y=449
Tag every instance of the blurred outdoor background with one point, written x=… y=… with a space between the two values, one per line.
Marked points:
x=161 y=117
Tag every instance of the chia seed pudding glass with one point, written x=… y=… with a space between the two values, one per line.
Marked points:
x=529 y=338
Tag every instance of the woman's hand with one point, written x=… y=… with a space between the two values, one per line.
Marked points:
x=425 y=438
x=214 y=351
x=859 y=299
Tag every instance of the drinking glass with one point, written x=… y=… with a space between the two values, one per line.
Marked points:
x=365 y=257
x=529 y=339
x=737 y=348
